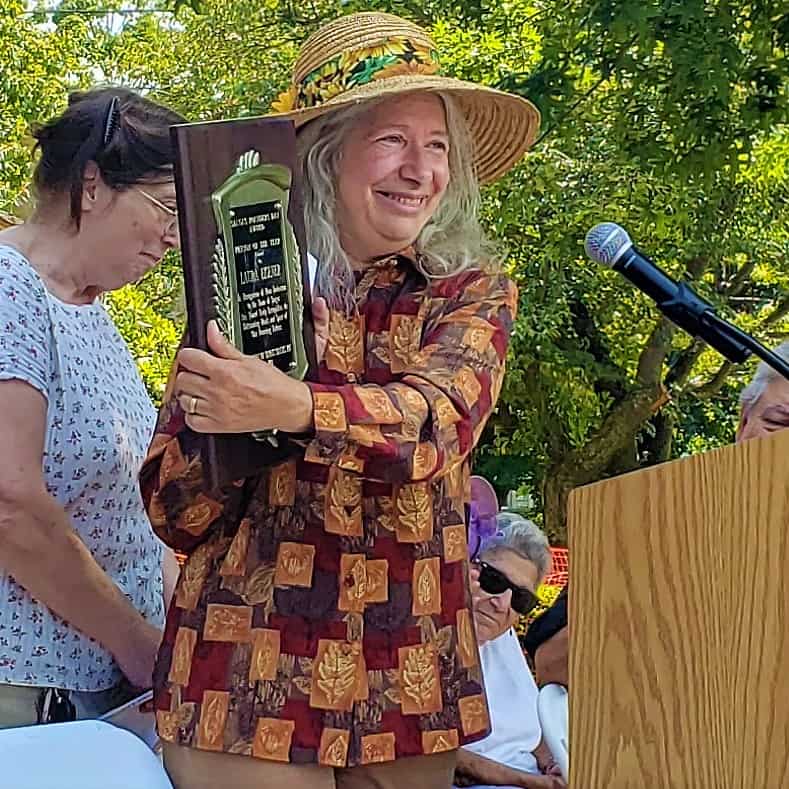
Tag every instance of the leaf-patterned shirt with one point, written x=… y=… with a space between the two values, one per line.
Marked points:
x=324 y=613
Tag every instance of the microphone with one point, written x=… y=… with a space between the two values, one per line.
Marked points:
x=609 y=244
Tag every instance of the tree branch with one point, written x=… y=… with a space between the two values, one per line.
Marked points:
x=590 y=462
x=740 y=280
x=652 y=357
x=612 y=379
x=619 y=427
x=780 y=311
x=657 y=448
x=715 y=384
x=683 y=365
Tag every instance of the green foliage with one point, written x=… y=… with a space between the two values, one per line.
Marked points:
x=650 y=121
x=144 y=314
x=36 y=70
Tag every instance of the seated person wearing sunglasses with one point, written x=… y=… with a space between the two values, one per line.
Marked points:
x=510 y=567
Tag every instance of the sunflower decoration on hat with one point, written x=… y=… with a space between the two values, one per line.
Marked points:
x=371 y=55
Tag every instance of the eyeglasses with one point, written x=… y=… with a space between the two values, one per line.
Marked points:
x=494 y=582
x=171 y=228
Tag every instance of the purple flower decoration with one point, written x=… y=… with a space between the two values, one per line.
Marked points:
x=483 y=509
x=480 y=529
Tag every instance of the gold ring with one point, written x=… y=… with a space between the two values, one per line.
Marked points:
x=192 y=405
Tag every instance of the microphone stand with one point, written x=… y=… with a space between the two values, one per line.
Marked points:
x=752 y=344
x=697 y=317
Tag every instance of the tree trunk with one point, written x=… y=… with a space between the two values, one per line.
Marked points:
x=658 y=448
x=592 y=461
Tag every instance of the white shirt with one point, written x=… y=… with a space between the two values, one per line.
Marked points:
x=512 y=703
x=100 y=420
x=312 y=271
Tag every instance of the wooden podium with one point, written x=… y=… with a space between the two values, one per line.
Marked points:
x=679 y=620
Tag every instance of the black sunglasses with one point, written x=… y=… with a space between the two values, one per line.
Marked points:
x=493 y=581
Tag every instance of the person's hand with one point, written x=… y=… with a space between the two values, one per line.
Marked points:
x=137 y=657
x=473 y=574
x=552 y=769
x=320 y=321
x=545 y=760
x=229 y=392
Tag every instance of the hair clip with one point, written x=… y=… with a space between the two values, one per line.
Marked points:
x=112 y=121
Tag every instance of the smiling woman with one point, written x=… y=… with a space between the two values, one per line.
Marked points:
x=79 y=564
x=322 y=630
x=400 y=151
x=414 y=183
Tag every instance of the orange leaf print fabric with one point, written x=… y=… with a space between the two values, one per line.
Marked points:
x=323 y=613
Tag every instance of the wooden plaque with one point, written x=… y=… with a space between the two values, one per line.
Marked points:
x=244 y=260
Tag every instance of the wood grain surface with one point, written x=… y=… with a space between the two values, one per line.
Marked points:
x=679 y=608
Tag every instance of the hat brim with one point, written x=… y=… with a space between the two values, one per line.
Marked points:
x=503 y=126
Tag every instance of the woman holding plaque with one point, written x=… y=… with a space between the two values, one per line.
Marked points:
x=321 y=633
x=81 y=595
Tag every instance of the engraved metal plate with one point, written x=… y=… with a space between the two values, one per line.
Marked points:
x=257 y=286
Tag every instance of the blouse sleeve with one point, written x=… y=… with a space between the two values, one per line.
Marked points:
x=25 y=326
x=182 y=512
x=426 y=422
x=449 y=371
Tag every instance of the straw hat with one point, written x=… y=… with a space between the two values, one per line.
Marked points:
x=6 y=220
x=369 y=55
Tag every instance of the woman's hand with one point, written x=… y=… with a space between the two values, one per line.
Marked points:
x=545 y=761
x=550 y=768
x=232 y=393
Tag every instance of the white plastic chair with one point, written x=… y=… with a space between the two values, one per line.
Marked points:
x=552 y=707
x=80 y=755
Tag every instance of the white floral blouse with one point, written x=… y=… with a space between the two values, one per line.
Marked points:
x=99 y=422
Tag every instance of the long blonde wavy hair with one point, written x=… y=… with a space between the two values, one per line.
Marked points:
x=450 y=242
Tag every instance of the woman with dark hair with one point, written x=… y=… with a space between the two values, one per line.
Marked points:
x=81 y=590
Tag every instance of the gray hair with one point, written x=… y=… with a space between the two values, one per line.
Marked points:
x=450 y=242
x=519 y=535
x=762 y=378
